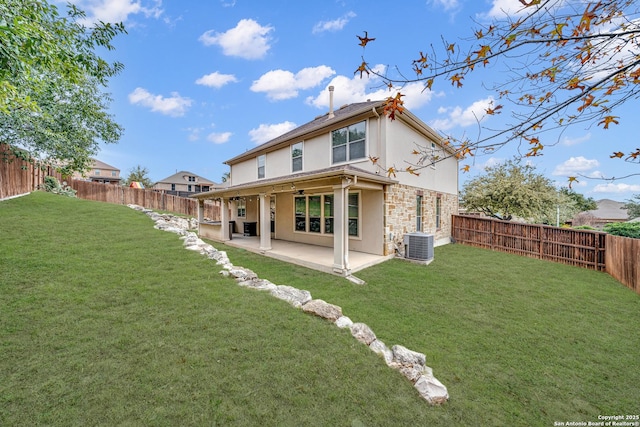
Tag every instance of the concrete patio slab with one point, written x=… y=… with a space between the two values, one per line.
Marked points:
x=311 y=256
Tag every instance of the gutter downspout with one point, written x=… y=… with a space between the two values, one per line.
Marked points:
x=379 y=138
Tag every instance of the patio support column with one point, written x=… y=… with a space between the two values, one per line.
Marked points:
x=200 y=210
x=265 y=221
x=224 y=219
x=341 y=227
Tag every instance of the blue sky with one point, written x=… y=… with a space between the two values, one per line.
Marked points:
x=206 y=80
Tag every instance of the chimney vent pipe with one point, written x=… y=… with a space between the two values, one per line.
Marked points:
x=331 y=115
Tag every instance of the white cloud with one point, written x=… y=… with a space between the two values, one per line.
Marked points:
x=504 y=8
x=266 y=133
x=446 y=4
x=354 y=89
x=616 y=188
x=281 y=84
x=174 y=106
x=194 y=133
x=219 y=138
x=575 y=141
x=248 y=40
x=216 y=80
x=335 y=25
x=576 y=165
x=471 y=115
x=118 y=10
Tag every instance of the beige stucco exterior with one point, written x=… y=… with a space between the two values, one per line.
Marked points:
x=184 y=181
x=386 y=201
x=100 y=172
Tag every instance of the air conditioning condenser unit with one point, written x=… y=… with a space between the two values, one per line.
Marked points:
x=418 y=246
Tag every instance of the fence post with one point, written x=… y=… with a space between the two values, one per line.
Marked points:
x=493 y=233
x=542 y=240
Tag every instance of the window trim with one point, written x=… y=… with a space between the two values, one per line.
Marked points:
x=419 y=211
x=348 y=143
x=323 y=217
x=241 y=203
x=438 y=211
x=262 y=157
x=301 y=157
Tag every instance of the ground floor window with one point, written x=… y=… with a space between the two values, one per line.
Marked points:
x=419 y=213
x=354 y=210
x=438 y=212
x=315 y=213
x=241 y=208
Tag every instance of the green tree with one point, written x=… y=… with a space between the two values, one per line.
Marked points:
x=582 y=204
x=625 y=229
x=511 y=190
x=139 y=174
x=566 y=63
x=633 y=206
x=567 y=205
x=51 y=81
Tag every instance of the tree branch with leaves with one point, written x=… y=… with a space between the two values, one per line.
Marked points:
x=569 y=62
x=51 y=83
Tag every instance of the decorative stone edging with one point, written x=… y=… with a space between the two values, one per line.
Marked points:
x=411 y=364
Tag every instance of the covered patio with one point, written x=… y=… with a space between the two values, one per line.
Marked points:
x=345 y=233
x=311 y=256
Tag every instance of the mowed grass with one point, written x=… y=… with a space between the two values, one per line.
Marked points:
x=107 y=321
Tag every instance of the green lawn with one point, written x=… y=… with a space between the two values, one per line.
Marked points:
x=107 y=321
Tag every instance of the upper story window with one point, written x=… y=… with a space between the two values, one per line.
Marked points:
x=261 y=162
x=173 y=187
x=192 y=179
x=296 y=157
x=96 y=172
x=113 y=173
x=348 y=143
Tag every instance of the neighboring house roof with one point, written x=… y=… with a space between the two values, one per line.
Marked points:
x=330 y=119
x=610 y=209
x=97 y=164
x=94 y=166
x=179 y=178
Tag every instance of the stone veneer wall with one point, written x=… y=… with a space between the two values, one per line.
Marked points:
x=400 y=213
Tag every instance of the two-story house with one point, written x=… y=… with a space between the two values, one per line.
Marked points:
x=100 y=172
x=184 y=183
x=326 y=183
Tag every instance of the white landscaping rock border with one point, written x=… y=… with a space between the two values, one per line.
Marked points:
x=410 y=363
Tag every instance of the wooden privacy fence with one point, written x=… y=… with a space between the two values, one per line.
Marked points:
x=150 y=199
x=618 y=256
x=18 y=176
x=582 y=248
x=623 y=260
